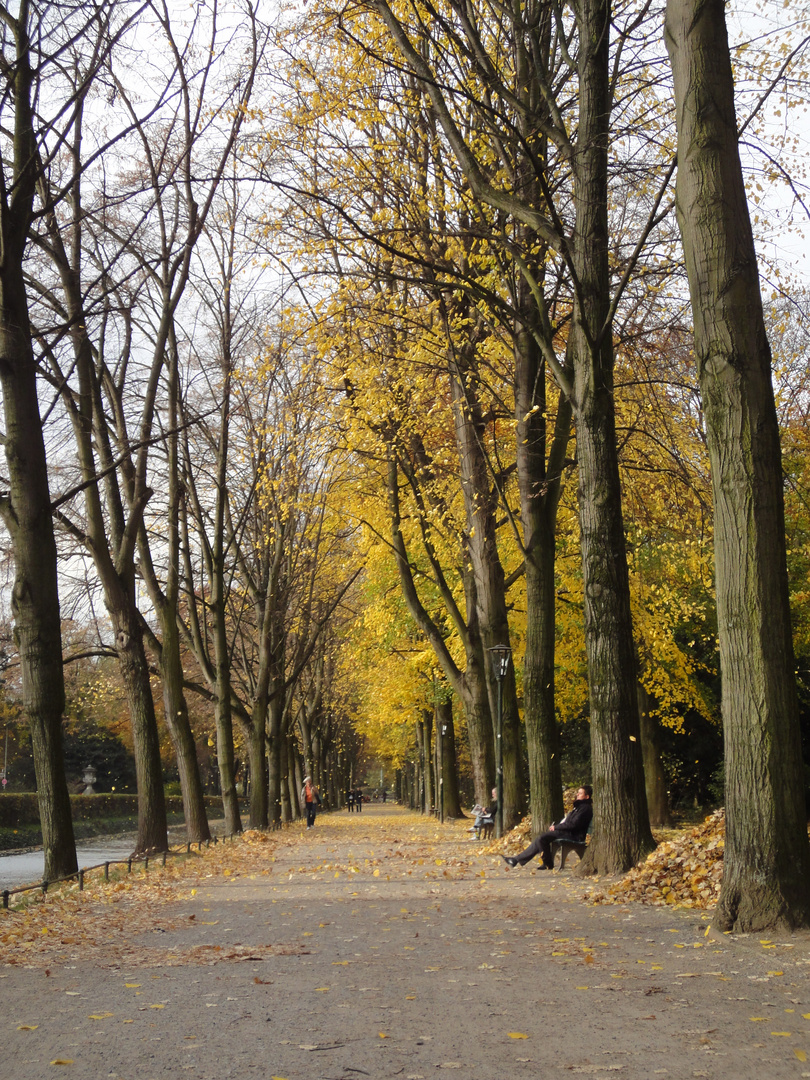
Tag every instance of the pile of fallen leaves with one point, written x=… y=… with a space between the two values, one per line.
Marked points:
x=684 y=872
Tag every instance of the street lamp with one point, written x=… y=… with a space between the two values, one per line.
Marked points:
x=500 y=665
x=5 y=763
x=442 y=733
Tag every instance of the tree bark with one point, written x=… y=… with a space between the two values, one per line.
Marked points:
x=26 y=508
x=766 y=881
x=621 y=823
x=539 y=489
x=654 y=779
x=426 y=726
x=470 y=685
x=490 y=590
x=449 y=765
x=152 y=830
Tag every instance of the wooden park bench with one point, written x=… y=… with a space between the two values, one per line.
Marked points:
x=565 y=847
x=484 y=830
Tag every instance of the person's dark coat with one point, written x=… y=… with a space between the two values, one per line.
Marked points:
x=575 y=823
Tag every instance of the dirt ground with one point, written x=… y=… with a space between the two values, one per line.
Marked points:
x=386 y=945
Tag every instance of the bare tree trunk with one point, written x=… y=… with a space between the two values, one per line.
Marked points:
x=274 y=741
x=176 y=708
x=539 y=488
x=654 y=779
x=26 y=508
x=426 y=726
x=470 y=685
x=449 y=764
x=490 y=589
x=766 y=881
x=257 y=755
x=26 y=511
x=152 y=831
x=622 y=829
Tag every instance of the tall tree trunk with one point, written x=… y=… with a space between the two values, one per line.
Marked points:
x=175 y=708
x=274 y=741
x=427 y=760
x=26 y=512
x=26 y=508
x=152 y=834
x=654 y=779
x=621 y=829
x=539 y=498
x=166 y=601
x=470 y=685
x=766 y=880
x=449 y=764
x=225 y=754
x=490 y=589
x=257 y=756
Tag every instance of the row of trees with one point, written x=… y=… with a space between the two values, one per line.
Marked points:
x=414 y=305
x=489 y=194
x=159 y=433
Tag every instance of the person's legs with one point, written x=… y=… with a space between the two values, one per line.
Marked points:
x=310 y=814
x=539 y=846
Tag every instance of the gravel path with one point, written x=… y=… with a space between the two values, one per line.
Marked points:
x=384 y=945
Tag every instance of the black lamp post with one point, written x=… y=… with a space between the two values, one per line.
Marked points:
x=500 y=665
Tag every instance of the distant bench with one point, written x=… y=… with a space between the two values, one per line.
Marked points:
x=484 y=830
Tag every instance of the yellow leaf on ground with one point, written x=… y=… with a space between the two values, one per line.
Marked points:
x=62 y=1061
x=157 y=1006
x=776 y=973
x=27 y=1027
x=321 y=989
x=99 y=1016
x=382 y=1034
x=517 y=1035
x=131 y=986
x=800 y=1054
x=781 y=1034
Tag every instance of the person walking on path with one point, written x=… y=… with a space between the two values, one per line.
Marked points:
x=574 y=826
x=311 y=798
x=358 y=800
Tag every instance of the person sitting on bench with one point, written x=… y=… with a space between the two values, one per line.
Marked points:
x=574 y=826
x=485 y=816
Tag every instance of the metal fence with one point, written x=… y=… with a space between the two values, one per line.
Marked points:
x=131 y=860
x=161 y=856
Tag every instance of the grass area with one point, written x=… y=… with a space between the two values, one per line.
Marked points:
x=30 y=836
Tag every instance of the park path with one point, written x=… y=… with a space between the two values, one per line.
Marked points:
x=387 y=945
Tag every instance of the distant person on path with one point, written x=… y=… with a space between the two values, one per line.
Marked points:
x=385 y=795
x=311 y=798
x=358 y=799
x=349 y=800
x=574 y=826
